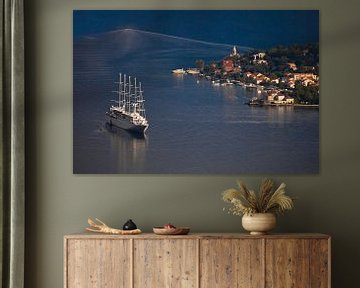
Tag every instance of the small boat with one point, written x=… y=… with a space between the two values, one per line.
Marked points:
x=193 y=71
x=250 y=86
x=216 y=82
x=179 y=71
x=226 y=82
x=255 y=101
x=129 y=114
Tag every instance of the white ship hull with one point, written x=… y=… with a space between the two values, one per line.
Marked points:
x=126 y=124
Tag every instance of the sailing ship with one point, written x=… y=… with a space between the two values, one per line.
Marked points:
x=129 y=114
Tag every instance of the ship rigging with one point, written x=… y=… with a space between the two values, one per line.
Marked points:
x=129 y=114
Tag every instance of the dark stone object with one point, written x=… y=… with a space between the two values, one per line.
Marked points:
x=129 y=225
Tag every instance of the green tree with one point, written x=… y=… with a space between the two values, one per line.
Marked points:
x=200 y=64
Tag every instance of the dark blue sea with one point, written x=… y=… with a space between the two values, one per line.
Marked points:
x=195 y=127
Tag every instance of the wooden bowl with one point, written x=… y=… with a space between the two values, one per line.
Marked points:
x=171 y=231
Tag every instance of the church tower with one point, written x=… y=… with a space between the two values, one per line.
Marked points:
x=234 y=52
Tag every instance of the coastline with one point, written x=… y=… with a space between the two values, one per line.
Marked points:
x=282 y=75
x=227 y=82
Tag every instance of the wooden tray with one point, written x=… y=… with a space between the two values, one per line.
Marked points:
x=171 y=231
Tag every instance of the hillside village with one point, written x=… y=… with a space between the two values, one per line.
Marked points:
x=286 y=75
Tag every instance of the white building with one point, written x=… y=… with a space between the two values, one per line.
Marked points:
x=259 y=56
x=234 y=52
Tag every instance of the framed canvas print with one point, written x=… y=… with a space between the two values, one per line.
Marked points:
x=195 y=91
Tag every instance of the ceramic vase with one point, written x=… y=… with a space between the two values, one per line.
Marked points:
x=259 y=223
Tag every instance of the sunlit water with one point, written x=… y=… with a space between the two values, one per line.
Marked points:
x=195 y=127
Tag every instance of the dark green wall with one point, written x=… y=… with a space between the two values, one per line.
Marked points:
x=59 y=202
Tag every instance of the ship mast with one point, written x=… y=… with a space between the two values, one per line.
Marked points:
x=130 y=96
x=140 y=102
x=120 y=92
x=135 y=96
x=128 y=100
x=124 y=93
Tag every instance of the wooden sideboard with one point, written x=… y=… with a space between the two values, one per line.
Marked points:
x=197 y=260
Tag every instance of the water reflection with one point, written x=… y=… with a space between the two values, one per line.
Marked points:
x=229 y=93
x=279 y=115
x=130 y=149
x=178 y=78
x=274 y=115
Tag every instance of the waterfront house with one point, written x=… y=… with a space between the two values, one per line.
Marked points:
x=279 y=100
x=276 y=81
x=260 y=62
x=304 y=76
x=228 y=65
x=258 y=77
